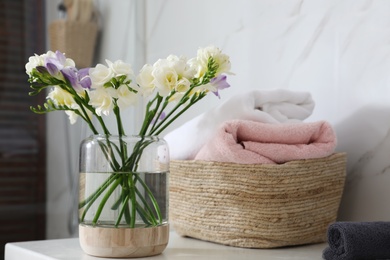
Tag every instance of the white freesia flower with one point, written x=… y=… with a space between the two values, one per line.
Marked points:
x=145 y=80
x=49 y=54
x=72 y=116
x=38 y=60
x=101 y=100
x=61 y=97
x=183 y=85
x=120 y=68
x=181 y=66
x=165 y=79
x=33 y=62
x=126 y=97
x=100 y=75
x=203 y=55
x=172 y=73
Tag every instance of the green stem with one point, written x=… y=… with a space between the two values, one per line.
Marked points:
x=147 y=211
x=157 y=112
x=182 y=101
x=92 y=201
x=128 y=217
x=125 y=207
x=158 y=130
x=91 y=198
x=121 y=131
x=107 y=149
x=132 y=161
x=148 y=116
x=82 y=104
x=133 y=201
x=146 y=218
x=126 y=189
x=105 y=198
x=105 y=129
x=88 y=120
x=152 y=198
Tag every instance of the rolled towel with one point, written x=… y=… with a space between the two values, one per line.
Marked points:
x=267 y=106
x=358 y=240
x=249 y=142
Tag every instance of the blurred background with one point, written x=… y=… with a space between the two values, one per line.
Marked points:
x=338 y=50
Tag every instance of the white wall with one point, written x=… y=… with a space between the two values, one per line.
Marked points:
x=337 y=49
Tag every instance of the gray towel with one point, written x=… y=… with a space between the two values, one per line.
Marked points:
x=358 y=240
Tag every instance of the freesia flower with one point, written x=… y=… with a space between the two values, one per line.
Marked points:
x=183 y=85
x=83 y=78
x=101 y=100
x=100 y=75
x=72 y=117
x=202 y=58
x=55 y=62
x=79 y=79
x=120 y=68
x=101 y=89
x=219 y=83
x=58 y=59
x=145 y=80
x=165 y=79
x=126 y=97
x=61 y=97
x=215 y=84
x=181 y=66
x=33 y=62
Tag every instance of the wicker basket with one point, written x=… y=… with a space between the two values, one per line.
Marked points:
x=256 y=206
x=76 y=39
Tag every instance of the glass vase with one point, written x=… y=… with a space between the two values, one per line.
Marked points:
x=123 y=199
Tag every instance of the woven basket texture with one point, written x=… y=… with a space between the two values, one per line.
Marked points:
x=256 y=206
x=76 y=39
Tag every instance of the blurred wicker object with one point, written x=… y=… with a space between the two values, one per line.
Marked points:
x=74 y=38
x=256 y=206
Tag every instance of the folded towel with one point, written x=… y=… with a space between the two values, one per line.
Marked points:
x=268 y=106
x=249 y=142
x=358 y=240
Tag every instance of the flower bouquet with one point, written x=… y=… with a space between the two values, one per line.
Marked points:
x=169 y=87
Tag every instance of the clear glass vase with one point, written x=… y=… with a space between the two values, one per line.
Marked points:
x=123 y=194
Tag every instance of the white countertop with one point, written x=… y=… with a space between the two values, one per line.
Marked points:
x=178 y=248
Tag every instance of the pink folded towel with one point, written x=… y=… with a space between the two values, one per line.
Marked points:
x=249 y=142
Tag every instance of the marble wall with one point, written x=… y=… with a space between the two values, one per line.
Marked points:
x=339 y=50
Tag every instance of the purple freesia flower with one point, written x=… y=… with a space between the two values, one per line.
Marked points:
x=70 y=75
x=84 y=79
x=79 y=79
x=82 y=73
x=55 y=64
x=52 y=69
x=60 y=57
x=220 y=83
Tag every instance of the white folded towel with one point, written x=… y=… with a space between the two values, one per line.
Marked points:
x=267 y=106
